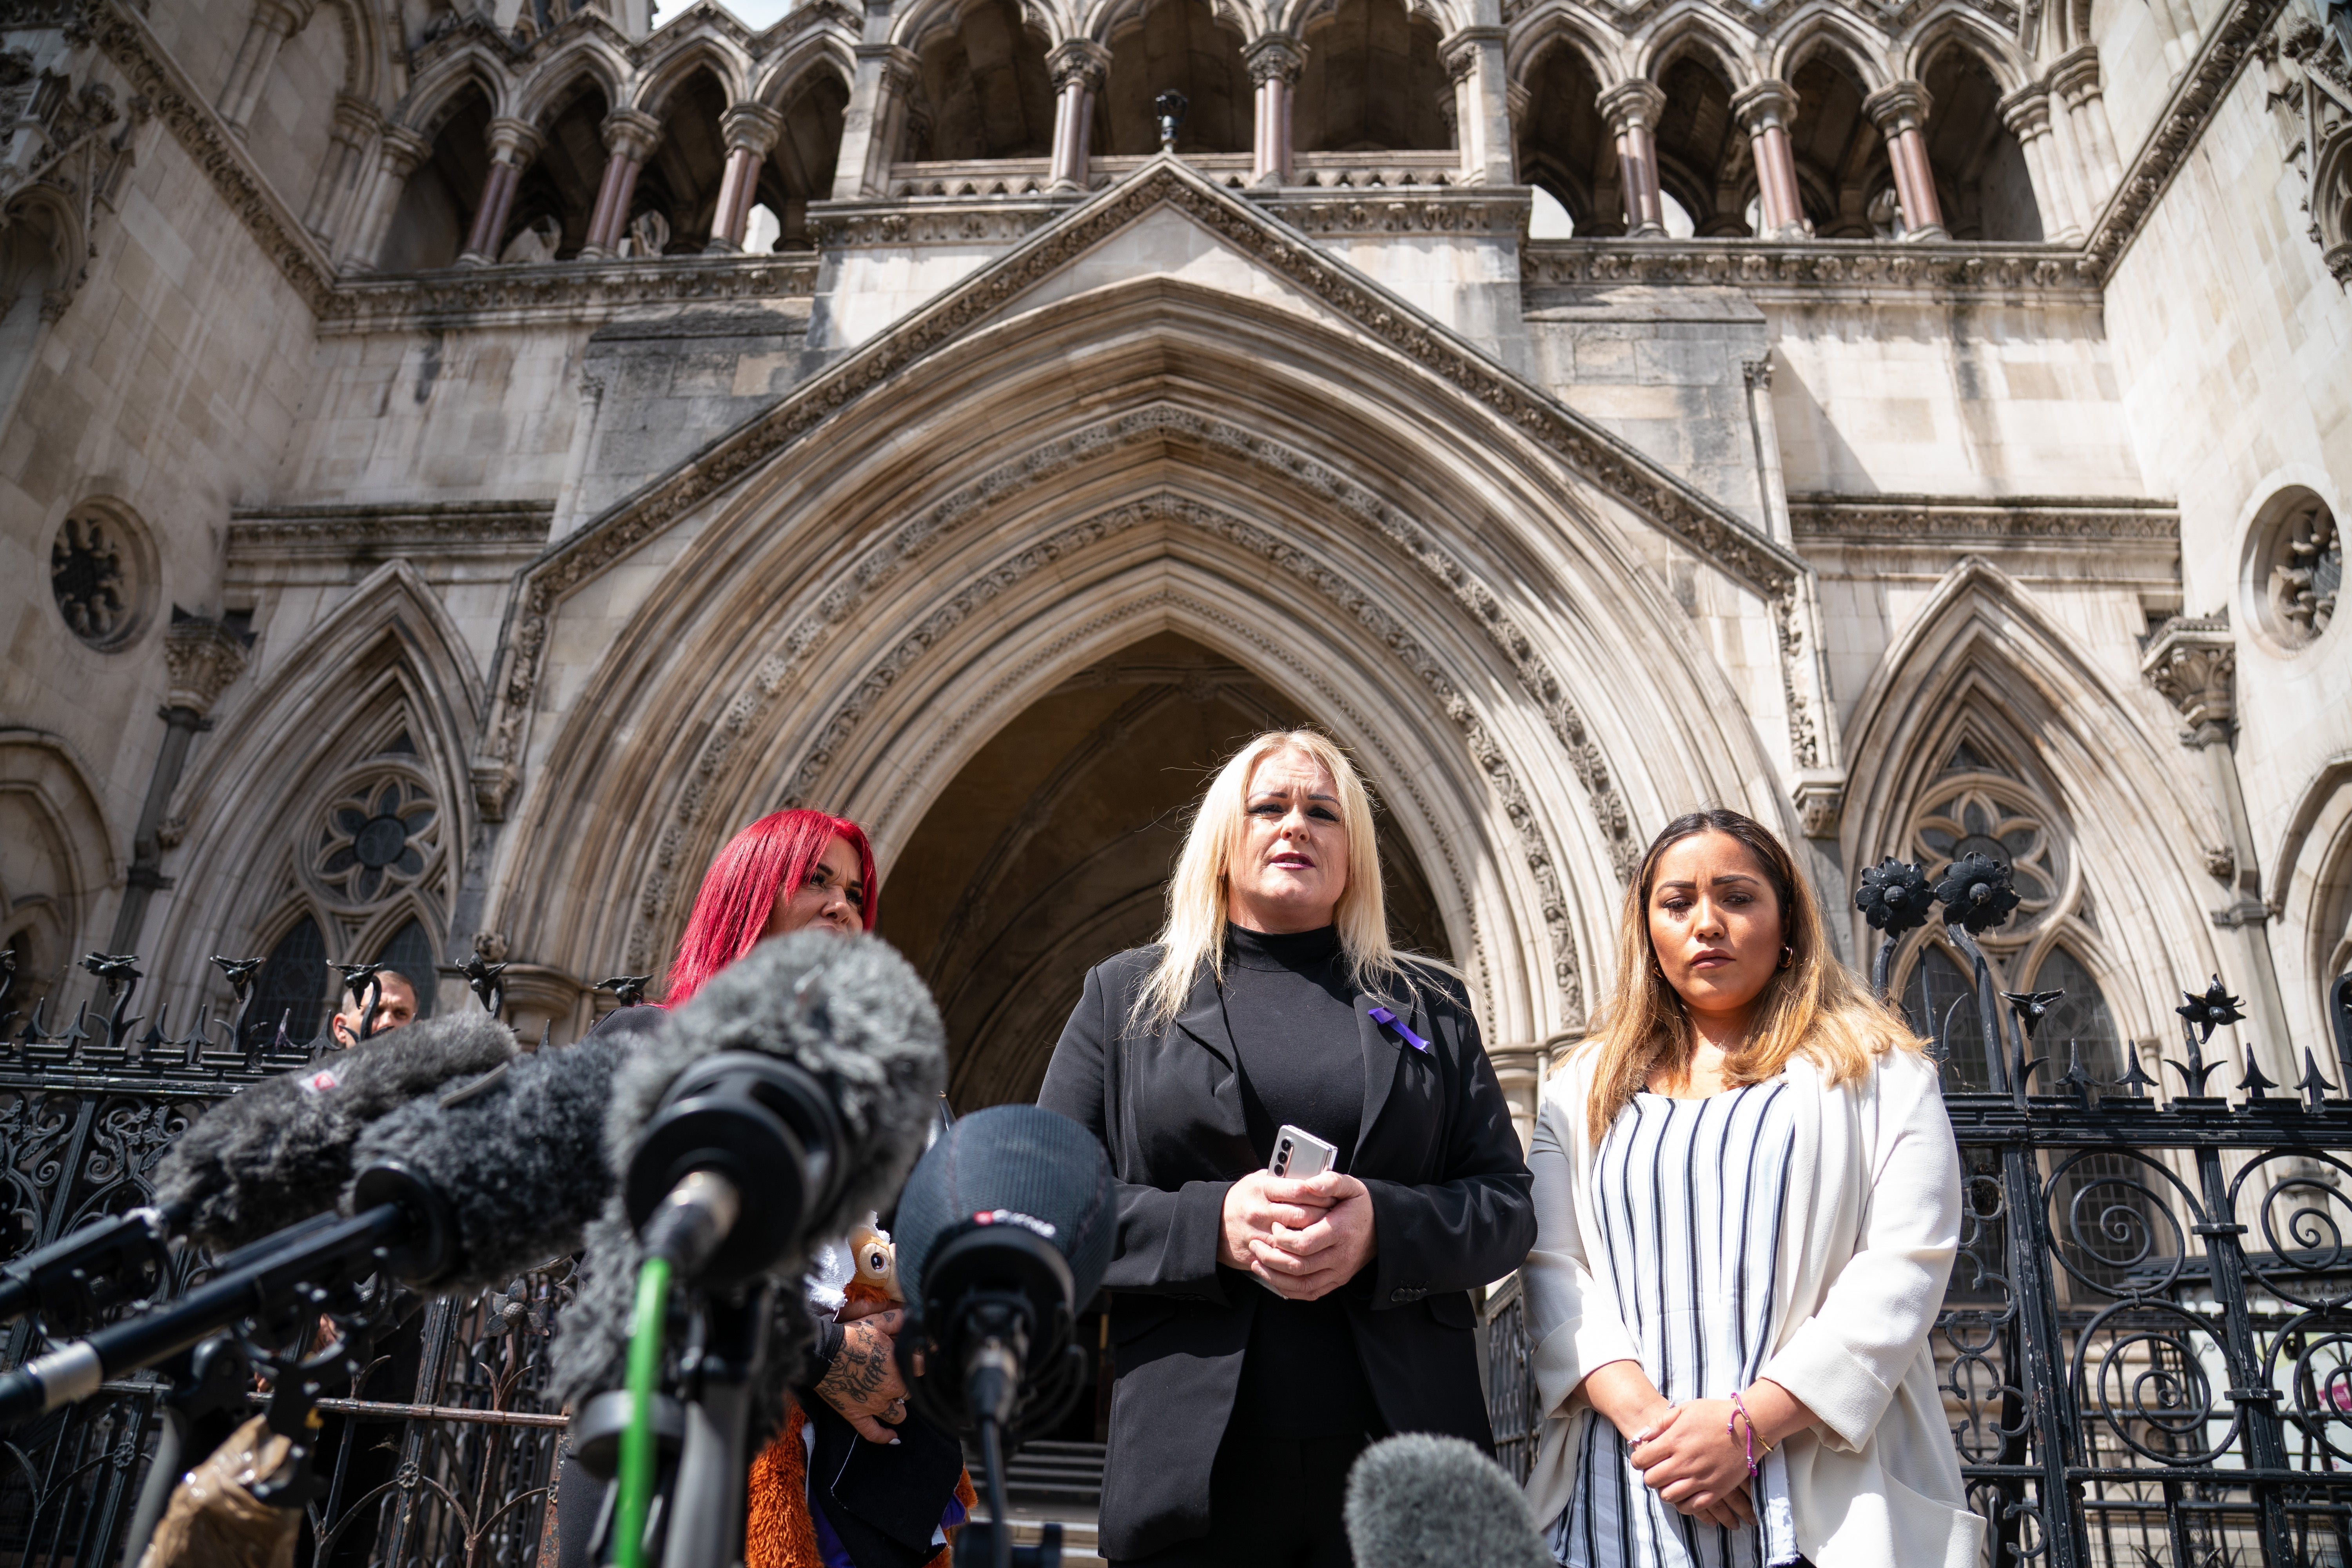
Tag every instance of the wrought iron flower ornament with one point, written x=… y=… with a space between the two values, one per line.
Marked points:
x=1976 y=892
x=2209 y=1011
x=2032 y=1007
x=1894 y=897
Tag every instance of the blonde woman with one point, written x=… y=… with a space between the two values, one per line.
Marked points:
x=1266 y=1330
x=1746 y=1200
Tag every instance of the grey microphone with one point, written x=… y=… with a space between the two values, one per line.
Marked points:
x=844 y=1016
x=280 y=1151
x=1424 y=1501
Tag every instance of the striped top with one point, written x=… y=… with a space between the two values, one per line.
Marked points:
x=1689 y=1195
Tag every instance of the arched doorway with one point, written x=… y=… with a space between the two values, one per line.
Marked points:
x=1050 y=849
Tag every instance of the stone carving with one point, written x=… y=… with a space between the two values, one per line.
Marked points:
x=204 y=658
x=534 y=243
x=2193 y=661
x=1882 y=518
x=122 y=38
x=384 y=531
x=2302 y=570
x=93 y=577
x=824 y=747
x=2232 y=39
x=1468 y=213
x=569 y=290
x=1695 y=521
x=2028 y=274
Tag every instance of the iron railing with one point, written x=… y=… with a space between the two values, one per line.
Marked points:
x=2145 y=1350
x=445 y=1462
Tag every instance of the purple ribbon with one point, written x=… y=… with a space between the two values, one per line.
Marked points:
x=1382 y=1016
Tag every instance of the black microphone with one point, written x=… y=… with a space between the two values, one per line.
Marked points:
x=780 y=1105
x=1424 y=1501
x=401 y=1226
x=75 y=1280
x=281 y=1150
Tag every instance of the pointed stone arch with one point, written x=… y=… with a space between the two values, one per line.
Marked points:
x=59 y=867
x=1697 y=32
x=382 y=686
x=1446 y=590
x=432 y=96
x=1822 y=28
x=1982 y=659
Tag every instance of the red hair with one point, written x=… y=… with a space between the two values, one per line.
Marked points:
x=739 y=892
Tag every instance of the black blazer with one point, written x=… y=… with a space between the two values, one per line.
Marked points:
x=1452 y=1205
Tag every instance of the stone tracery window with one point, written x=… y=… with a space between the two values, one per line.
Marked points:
x=101 y=577
x=2302 y=570
x=380 y=834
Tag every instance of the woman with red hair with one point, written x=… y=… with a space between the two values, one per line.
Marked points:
x=786 y=872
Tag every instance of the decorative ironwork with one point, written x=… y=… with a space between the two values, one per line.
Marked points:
x=2146 y=1345
x=437 y=1446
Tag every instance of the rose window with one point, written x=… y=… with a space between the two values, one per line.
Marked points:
x=1972 y=820
x=89 y=575
x=379 y=836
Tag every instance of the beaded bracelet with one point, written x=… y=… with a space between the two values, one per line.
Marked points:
x=1730 y=1424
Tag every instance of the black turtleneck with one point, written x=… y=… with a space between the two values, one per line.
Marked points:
x=1292 y=1016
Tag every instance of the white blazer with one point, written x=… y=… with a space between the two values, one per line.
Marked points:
x=1874 y=1221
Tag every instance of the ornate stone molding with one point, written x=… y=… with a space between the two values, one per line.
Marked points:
x=202 y=659
x=2199 y=93
x=1819 y=269
x=1469 y=211
x=972 y=220
x=121 y=36
x=262 y=533
x=1909 y=519
x=2193 y=661
x=511 y=295
x=971 y=506
x=908 y=649
x=1611 y=465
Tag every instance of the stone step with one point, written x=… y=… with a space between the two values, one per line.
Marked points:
x=1065 y=1475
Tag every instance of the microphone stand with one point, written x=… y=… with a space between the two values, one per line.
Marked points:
x=725 y=1355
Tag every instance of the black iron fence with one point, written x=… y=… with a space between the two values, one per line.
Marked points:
x=439 y=1452
x=2145 y=1350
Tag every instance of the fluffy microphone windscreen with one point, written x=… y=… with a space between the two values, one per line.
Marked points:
x=848 y=1010
x=1422 y=1501
x=1012 y=1161
x=279 y=1151
x=520 y=1161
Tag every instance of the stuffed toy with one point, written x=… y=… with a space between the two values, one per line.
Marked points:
x=908 y=1488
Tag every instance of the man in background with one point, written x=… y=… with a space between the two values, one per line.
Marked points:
x=395 y=1006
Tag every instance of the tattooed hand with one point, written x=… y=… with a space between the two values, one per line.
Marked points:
x=863 y=1380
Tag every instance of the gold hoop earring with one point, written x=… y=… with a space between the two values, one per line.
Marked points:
x=1788 y=955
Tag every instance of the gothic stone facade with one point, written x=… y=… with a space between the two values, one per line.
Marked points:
x=459 y=464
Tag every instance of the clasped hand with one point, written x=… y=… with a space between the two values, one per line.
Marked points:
x=1304 y=1239
x=1692 y=1460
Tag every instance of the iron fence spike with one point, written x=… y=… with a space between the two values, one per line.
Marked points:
x=2253 y=1084
x=2315 y=1088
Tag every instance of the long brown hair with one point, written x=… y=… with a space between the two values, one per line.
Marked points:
x=1815 y=1007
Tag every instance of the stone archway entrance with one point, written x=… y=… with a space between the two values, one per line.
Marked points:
x=1050 y=849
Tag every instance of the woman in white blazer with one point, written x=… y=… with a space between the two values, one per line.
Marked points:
x=1748 y=1201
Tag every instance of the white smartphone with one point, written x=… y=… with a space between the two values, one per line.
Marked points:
x=1298 y=1154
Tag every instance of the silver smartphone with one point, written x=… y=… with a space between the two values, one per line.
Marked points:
x=1298 y=1154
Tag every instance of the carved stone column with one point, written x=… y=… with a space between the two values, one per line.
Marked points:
x=1079 y=67
x=1481 y=107
x=355 y=124
x=402 y=152
x=2193 y=662
x=2026 y=113
x=1900 y=111
x=513 y=146
x=750 y=130
x=2075 y=79
x=202 y=658
x=1764 y=109
x=1275 y=61
x=871 y=127
x=274 y=22
x=630 y=138
x=1631 y=110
